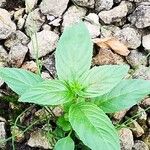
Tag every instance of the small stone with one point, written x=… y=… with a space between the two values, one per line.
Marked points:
x=3 y=57
x=39 y=139
x=129 y=36
x=146 y=138
x=30 y=66
x=50 y=17
x=46 y=27
x=16 y=38
x=46 y=43
x=136 y=129
x=2 y=3
x=93 y=25
x=136 y=58
x=30 y=4
x=107 y=57
x=126 y=139
x=118 y=116
x=85 y=3
x=140 y=145
x=46 y=75
x=109 y=31
x=131 y=7
x=115 y=14
x=142 y=116
x=120 y=23
x=140 y=17
x=56 y=22
x=53 y=7
x=146 y=102
x=34 y=22
x=103 y=5
x=146 y=42
x=20 y=23
x=49 y=64
x=19 y=13
x=25 y=16
x=6 y=25
x=2 y=135
x=142 y=73
x=73 y=15
x=12 y=12
x=2 y=119
x=57 y=111
x=42 y=113
x=17 y=133
x=17 y=54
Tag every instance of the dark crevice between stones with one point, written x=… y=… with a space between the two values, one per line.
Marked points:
x=140 y=49
x=12 y=4
x=39 y=2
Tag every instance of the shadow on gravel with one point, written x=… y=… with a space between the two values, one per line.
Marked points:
x=12 y=4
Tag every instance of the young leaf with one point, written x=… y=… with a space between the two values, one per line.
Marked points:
x=126 y=94
x=63 y=123
x=93 y=127
x=19 y=80
x=74 y=51
x=100 y=80
x=64 y=144
x=49 y=92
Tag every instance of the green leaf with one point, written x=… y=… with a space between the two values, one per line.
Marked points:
x=49 y=92
x=19 y=80
x=64 y=144
x=100 y=80
x=93 y=127
x=63 y=123
x=74 y=52
x=58 y=132
x=126 y=94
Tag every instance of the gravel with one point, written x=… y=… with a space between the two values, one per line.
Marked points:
x=43 y=21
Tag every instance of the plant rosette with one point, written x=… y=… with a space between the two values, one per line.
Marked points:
x=85 y=93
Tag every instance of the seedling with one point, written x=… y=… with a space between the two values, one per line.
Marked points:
x=84 y=93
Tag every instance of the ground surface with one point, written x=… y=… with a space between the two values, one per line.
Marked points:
x=127 y=21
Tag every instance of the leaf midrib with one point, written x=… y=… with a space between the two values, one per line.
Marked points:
x=94 y=127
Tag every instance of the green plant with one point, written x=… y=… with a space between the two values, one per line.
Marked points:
x=84 y=94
